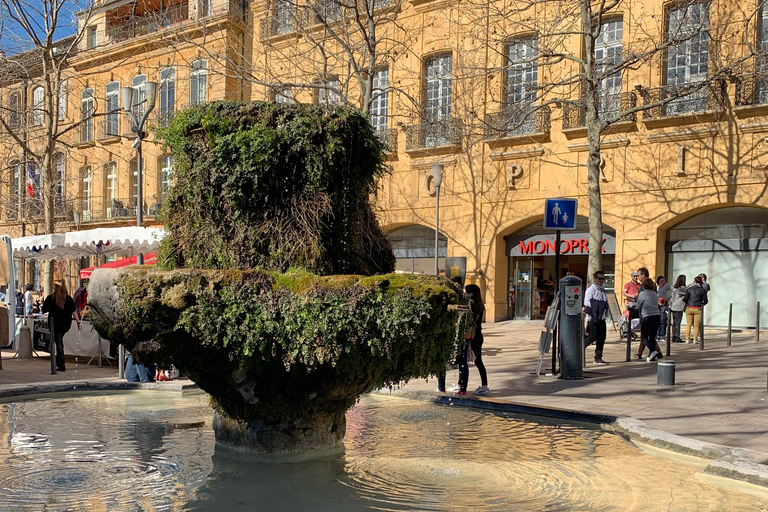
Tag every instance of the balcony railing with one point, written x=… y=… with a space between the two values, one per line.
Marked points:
x=609 y=106
x=514 y=121
x=389 y=138
x=86 y=132
x=109 y=126
x=32 y=208
x=432 y=134
x=688 y=98
x=752 y=89
x=97 y=209
x=142 y=25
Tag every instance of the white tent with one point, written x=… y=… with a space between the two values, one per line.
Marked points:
x=125 y=241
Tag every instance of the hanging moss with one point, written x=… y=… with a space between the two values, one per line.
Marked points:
x=263 y=185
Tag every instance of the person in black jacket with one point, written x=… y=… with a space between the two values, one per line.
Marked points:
x=695 y=298
x=61 y=306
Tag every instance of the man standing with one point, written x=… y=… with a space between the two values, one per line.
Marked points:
x=704 y=283
x=596 y=306
x=631 y=289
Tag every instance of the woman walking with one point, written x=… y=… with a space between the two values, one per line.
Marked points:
x=478 y=310
x=61 y=307
x=650 y=317
x=695 y=298
x=677 y=307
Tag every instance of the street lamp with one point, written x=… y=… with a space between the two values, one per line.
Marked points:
x=437 y=179
x=128 y=96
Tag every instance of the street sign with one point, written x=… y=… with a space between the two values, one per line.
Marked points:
x=560 y=213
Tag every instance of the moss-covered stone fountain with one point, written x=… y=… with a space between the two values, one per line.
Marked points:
x=273 y=289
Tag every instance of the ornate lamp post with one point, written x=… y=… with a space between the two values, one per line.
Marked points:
x=437 y=179
x=128 y=96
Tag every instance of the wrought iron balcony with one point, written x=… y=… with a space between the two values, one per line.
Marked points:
x=683 y=99
x=515 y=121
x=432 y=134
x=32 y=208
x=752 y=89
x=147 y=24
x=389 y=138
x=277 y=24
x=609 y=106
x=109 y=126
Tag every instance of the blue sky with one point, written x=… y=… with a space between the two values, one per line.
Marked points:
x=14 y=39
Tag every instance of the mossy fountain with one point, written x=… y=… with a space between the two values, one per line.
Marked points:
x=273 y=289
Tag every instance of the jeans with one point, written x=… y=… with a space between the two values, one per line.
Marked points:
x=693 y=321
x=596 y=333
x=59 y=338
x=662 y=331
x=137 y=372
x=477 y=349
x=677 y=319
x=649 y=325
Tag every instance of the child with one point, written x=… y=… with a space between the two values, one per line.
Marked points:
x=663 y=325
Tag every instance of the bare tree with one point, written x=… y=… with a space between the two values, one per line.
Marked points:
x=48 y=36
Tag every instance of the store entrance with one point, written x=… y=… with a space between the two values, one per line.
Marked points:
x=531 y=274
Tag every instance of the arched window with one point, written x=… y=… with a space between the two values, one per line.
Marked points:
x=197 y=82
x=86 y=116
x=139 y=84
x=38 y=107
x=166 y=174
x=86 y=192
x=58 y=185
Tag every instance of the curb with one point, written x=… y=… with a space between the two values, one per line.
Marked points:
x=15 y=390
x=733 y=463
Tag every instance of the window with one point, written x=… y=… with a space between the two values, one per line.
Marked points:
x=167 y=95
x=687 y=57
x=14 y=190
x=90 y=38
x=380 y=100
x=38 y=106
x=111 y=175
x=607 y=56
x=437 y=95
x=283 y=16
x=205 y=8
x=284 y=95
x=86 y=116
x=58 y=185
x=166 y=174
x=112 y=121
x=14 y=110
x=134 y=182
x=761 y=64
x=328 y=94
x=197 y=82
x=328 y=10
x=63 y=100
x=522 y=85
x=86 y=193
x=139 y=84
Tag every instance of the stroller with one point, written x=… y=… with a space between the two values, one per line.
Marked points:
x=631 y=316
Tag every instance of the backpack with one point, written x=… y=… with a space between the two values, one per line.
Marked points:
x=79 y=299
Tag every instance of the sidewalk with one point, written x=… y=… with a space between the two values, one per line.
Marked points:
x=720 y=396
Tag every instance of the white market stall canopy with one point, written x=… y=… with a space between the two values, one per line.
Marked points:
x=125 y=241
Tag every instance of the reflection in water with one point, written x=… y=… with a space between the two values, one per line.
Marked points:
x=149 y=451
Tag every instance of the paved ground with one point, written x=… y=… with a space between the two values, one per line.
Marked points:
x=720 y=395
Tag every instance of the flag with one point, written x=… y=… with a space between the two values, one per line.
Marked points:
x=32 y=179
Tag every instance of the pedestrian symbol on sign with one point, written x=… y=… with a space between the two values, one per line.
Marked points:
x=555 y=213
x=565 y=218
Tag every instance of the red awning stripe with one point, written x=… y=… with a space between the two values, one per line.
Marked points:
x=149 y=259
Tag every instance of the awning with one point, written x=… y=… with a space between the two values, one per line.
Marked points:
x=149 y=259
x=125 y=241
x=36 y=246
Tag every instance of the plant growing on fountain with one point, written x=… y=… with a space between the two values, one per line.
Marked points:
x=263 y=298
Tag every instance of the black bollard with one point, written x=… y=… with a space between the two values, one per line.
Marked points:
x=629 y=338
x=665 y=373
x=701 y=329
x=757 y=322
x=669 y=334
x=52 y=345
x=730 y=322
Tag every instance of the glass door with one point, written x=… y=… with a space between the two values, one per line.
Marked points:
x=523 y=281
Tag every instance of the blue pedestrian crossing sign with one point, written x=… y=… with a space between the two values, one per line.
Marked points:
x=560 y=213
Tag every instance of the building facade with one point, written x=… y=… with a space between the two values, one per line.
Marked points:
x=497 y=95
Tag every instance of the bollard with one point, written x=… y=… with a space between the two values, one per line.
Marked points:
x=121 y=361
x=25 y=343
x=669 y=333
x=757 y=322
x=730 y=322
x=665 y=373
x=52 y=345
x=701 y=329
x=570 y=318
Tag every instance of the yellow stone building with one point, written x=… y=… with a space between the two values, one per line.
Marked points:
x=493 y=92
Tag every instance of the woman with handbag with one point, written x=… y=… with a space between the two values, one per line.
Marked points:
x=476 y=344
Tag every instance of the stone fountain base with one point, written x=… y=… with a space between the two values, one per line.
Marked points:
x=320 y=432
